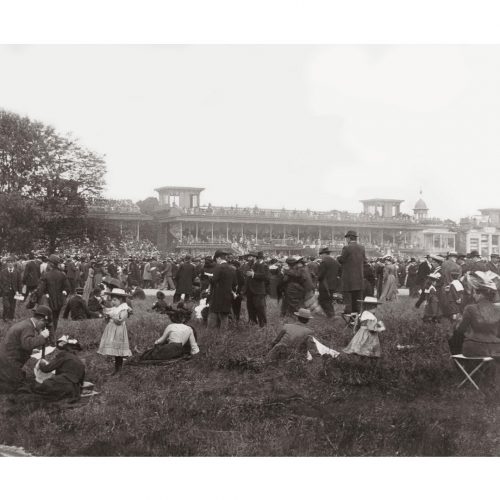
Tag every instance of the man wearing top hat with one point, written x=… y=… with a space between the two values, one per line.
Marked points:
x=10 y=285
x=474 y=263
x=328 y=281
x=256 y=280
x=223 y=288
x=54 y=285
x=352 y=279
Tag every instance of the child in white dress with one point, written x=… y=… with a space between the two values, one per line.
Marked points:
x=365 y=341
x=114 y=341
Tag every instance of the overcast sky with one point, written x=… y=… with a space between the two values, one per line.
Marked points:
x=316 y=127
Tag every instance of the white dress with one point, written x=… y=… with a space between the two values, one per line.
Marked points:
x=114 y=340
x=366 y=342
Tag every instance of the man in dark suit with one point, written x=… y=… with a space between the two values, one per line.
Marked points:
x=184 y=279
x=10 y=285
x=352 y=261
x=328 y=281
x=77 y=307
x=223 y=285
x=17 y=345
x=72 y=273
x=31 y=275
x=257 y=278
x=54 y=285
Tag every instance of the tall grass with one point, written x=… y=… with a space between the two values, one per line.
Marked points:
x=229 y=400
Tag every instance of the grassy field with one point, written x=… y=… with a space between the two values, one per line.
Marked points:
x=228 y=401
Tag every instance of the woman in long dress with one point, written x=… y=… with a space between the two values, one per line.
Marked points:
x=390 y=286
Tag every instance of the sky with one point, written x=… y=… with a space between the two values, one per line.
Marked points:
x=295 y=126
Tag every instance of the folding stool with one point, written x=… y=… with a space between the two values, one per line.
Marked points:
x=461 y=360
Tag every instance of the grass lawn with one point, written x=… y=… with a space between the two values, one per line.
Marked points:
x=227 y=401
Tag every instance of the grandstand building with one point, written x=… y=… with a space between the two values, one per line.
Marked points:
x=182 y=223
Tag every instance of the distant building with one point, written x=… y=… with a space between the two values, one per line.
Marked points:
x=481 y=233
x=183 y=224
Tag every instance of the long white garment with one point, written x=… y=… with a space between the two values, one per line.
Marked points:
x=322 y=349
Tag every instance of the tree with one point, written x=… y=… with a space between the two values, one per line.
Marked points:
x=149 y=205
x=53 y=171
x=19 y=223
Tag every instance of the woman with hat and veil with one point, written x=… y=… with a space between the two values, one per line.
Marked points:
x=390 y=285
x=477 y=334
x=114 y=341
x=69 y=373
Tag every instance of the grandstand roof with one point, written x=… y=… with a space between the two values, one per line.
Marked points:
x=179 y=188
x=381 y=200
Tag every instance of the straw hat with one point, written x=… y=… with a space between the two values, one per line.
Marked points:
x=370 y=300
x=118 y=292
x=304 y=313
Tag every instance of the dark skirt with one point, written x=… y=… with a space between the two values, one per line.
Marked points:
x=165 y=351
x=56 y=388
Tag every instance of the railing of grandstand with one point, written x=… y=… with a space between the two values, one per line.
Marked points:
x=251 y=213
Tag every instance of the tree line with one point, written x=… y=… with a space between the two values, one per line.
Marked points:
x=46 y=182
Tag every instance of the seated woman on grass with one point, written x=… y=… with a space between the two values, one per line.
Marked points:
x=177 y=340
x=69 y=373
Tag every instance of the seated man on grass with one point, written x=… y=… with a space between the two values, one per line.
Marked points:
x=78 y=309
x=296 y=337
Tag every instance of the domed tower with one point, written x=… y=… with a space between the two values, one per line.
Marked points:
x=420 y=209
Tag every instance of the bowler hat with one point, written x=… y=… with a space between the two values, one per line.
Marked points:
x=303 y=313
x=494 y=256
x=220 y=253
x=43 y=311
x=54 y=259
x=351 y=234
x=325 y=250
x=474 y=253
x=252 y=254
x=79 y=291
